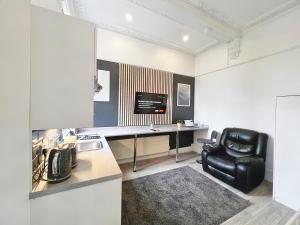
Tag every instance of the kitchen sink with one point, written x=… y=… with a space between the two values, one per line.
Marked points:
x=89 y=145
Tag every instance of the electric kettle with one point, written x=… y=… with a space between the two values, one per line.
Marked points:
x=59 y=165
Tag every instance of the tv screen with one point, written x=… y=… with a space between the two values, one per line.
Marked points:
x=150 y=103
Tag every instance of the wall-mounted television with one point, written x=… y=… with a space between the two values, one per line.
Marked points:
x=150 y=103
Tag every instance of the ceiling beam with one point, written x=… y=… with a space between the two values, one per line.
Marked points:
x=190 y=16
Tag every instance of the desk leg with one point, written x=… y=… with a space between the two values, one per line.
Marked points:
x=134 y=153
x=177 y=146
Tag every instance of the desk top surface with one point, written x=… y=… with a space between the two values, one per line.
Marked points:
x=138 y=130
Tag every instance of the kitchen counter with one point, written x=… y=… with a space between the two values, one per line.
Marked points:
x=138 y=130
x=93 y=167
x=100 y=165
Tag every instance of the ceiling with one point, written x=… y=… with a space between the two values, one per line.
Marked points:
x=165 y=22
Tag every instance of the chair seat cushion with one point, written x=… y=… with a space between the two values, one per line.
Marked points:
x=223 y=163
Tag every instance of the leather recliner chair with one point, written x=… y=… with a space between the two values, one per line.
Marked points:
x=239 y=159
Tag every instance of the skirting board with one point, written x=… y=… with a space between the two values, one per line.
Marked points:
x=157 y=155
x=269 y=175
x=197 y=147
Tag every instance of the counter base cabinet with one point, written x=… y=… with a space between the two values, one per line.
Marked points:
x=97 y=204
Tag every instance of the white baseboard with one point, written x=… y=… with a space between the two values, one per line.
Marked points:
x=142 y=157
x=181 y=150
x=269 y=175
x=156 y=155
x=197 y=147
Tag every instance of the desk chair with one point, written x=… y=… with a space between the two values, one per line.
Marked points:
x=205 y=141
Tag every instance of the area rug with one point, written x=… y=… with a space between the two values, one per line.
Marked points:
x=180 y=196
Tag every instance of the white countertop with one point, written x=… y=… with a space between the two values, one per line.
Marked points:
x=93 y=167
x=138 y=130
x=100 y=165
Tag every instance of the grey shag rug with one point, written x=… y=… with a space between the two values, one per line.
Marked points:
x=180 y=196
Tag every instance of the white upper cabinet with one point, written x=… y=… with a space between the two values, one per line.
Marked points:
x=63 y=65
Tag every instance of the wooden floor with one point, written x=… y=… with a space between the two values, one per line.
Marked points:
x=263 y=211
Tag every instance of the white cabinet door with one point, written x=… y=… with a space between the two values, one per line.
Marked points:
x=287 y=152
x=95 y=204
x=63 y=64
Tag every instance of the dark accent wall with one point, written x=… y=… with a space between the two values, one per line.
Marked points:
x=106 y=113
x=182 y=112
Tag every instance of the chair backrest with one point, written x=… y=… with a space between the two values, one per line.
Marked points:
x=241 y=142
x=213 y=136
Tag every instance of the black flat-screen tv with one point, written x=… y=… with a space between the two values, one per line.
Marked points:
x=150 y=103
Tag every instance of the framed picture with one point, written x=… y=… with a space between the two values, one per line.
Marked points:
x=104 y=82
x=183 y=95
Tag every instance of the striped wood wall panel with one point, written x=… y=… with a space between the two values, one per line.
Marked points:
x=133 y=79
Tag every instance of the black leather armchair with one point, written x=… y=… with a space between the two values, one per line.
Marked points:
x=239 y=159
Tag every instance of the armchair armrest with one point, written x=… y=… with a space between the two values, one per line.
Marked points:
x=205 y=141
x=210 y=149
x=250 y=160
x=213 y=149
x=250 y=172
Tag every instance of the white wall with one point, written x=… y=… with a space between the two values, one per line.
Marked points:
x=242 y=94
x=14 y=113
x=123 y=49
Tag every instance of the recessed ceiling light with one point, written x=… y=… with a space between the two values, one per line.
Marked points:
x=185 y=38
x=128 y=17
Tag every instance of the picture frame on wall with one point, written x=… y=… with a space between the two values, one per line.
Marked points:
x=183 y=95
x=104 y=83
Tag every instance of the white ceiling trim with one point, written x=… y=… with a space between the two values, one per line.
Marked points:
x=273 y=13
x=214 y=13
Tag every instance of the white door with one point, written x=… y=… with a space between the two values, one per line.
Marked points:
x=287 y=152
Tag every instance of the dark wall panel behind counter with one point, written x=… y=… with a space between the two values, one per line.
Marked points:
x=106 y=113
x=182 y=112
